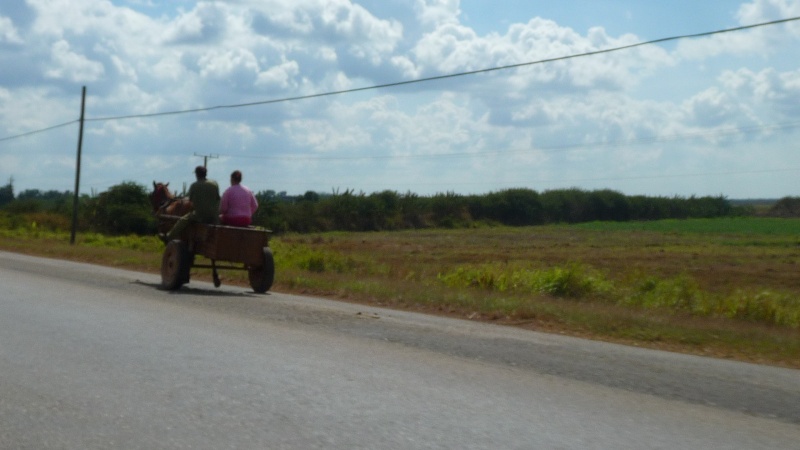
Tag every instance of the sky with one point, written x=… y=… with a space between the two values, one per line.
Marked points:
x=284 y=90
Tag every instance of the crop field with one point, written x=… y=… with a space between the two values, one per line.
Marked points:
x=720 y=287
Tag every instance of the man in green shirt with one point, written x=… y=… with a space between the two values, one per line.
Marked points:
x=204 y=195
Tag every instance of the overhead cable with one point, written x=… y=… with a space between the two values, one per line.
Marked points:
x=442 y=77
x=29 y=133
x=415 y=81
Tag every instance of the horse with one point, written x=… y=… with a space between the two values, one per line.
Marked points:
x=164 y=203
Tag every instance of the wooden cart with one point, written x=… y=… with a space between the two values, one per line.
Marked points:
x=239 y=248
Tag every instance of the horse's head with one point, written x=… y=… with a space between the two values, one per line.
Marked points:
x=160 y=196
x=164 y=202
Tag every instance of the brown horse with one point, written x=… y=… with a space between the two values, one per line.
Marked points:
x=164 y=203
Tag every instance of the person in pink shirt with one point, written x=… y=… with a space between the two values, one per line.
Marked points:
x=238 y=203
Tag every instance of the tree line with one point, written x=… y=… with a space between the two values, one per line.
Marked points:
x=125 y=209
x=390 y=210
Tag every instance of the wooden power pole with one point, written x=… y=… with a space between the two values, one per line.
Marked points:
x=78 y=172
x=205 y=159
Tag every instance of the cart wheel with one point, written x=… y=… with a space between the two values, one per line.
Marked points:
x=261 y=277
x=175 y=265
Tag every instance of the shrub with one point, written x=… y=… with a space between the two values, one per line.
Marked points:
x=786 y=207
x=572 y=280
x=678 y=293
x=304 y=257
x=123 y=209
x=765 y=306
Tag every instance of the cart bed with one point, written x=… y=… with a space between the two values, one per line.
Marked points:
x=232 y=244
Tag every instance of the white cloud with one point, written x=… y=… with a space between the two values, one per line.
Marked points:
x=769 y=90
x=368 y=37
x=205 y=24
x=448 y=49
x=83 y=19
x=341 y=24
x=8 y=32
x=237 y=130
x=124 y=68
x=72 y=66
x=324 y=137
x=437 y=12
x=712 y=108
x=237 y=66
x=453 y=48
x=169 y=68
x=110 y=161
x=327 y=54
x=280 y=75
x=766 y=10
x=753 y=42
x=406 y=67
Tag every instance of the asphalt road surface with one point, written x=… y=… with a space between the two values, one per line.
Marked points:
x=98 y=358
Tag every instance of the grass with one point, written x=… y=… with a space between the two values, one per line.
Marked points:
x=736 y=225
x=721 y=287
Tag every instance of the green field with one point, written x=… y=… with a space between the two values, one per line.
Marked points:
x=721 y=287
x=738 y=226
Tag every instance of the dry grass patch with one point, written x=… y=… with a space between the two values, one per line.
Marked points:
x=676 y=285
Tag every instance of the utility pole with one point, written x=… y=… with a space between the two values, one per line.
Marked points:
x=78 y=172
x=206 y=157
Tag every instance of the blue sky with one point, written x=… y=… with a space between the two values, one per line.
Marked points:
x=648 y=20
x=711 y=116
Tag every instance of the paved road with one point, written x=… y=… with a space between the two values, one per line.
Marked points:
x=97 y=358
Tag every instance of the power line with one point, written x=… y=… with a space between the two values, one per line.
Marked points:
x=29 y=133
x=443 y=77
x=419 y=80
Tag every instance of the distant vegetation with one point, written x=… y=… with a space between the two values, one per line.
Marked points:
x=389 y=210
x=125 y=209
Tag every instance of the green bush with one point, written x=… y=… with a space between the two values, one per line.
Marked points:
x=683 y=294
x=302 y=256
x=765 y=307
x=572 y=280
x=786 y=207
x=679 y=293
x=123 y=209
